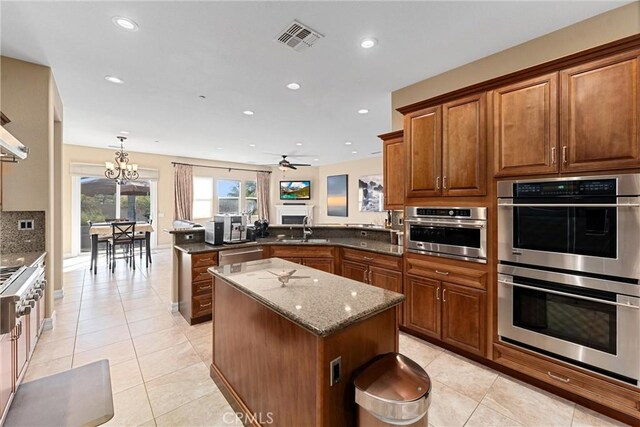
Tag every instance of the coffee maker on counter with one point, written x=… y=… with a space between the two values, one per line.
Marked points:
x=234 y=227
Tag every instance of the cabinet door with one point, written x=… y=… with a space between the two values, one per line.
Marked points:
x=599 y=115
x=6 y=371
x=422 y=307
x=525 y=127
x=296 y=260
x=394 y=174
x=463 y=317
x=423 y=138
x=385 y=279
x=355 y=271
x=464 y=147
x=324 y=264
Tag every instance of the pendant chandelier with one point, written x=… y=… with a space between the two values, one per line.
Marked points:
x=121 y=171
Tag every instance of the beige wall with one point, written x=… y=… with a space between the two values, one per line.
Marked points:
x=31 y=100
x=610 y=26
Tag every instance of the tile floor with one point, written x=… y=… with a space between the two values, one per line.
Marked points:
x=160 y=364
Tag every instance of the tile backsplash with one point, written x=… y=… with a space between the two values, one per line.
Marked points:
x=13 y=239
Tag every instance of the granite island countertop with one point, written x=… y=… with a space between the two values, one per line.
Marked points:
x=319 y=302
x=347 y=242
x=18 y=259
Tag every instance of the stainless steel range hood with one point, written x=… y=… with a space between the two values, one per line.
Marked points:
x=11 y=147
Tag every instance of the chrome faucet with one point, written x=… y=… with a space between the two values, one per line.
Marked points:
x=306 y=231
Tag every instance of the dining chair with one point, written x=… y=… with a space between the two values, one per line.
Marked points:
x=122 y=236
x=141 y=238
x=101 y=239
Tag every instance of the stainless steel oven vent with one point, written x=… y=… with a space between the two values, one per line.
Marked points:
x=298 y=36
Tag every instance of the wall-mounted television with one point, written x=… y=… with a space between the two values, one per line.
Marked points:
x=295 y=190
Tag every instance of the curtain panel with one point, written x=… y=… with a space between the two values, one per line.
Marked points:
x=183 y=188
x=262 y=187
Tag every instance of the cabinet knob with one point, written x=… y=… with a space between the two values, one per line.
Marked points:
x=553 y=155
x=444 y=273
x=438 y=293
x=444 y=183
x=564 y=155
x=437 y=183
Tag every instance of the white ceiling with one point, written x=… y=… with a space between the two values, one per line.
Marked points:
x=226 y=51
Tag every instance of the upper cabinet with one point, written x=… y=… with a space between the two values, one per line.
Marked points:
x=525 y=127
x=446 y=149
x=394 y=170
x=599 y=115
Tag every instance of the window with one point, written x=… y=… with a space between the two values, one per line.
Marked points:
x=202 y=197
x=228 y=196
x=250 y=198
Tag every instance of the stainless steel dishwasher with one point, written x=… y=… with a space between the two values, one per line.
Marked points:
x=234 y=256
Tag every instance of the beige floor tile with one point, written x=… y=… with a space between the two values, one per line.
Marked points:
x=151 y=343
x=40 y=370
x=448 y=407
x=484 y=416
x=66 y=307
x=115 y=353
x=204 y=347
x=131 y=407
x=419 y=351
x=210 y=410
x=584 y=417
x=135 y=315
x=125 y=375
x=95 y=324
x=102 y=338
x=523 y=403
x=169 y=360
x=109 y=307
x=66 y=318
x=152 y=301
x=137 y=294
x=174 y=390
x=149 y=423
x=46 y=351
x=59 y=332
x=152 y=324
x=462 y=375
x=198 y=331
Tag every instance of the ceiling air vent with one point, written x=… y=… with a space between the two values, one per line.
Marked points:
x=298 y=36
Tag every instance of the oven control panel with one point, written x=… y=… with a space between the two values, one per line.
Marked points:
x=447 y=212
x=596 y=187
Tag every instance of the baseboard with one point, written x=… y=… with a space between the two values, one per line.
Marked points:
x=173 y=307
x=58 y=293
x=49 y=322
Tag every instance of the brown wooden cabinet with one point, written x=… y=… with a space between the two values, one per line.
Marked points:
x=393 y=159
x=464 y=147
x=195 y=290
x=599 y=117
x=525 y=127
x=447 y=302
x=446 y=149
x=318 y=257
x=355 y=271
x=382 y=271
x=324 y=264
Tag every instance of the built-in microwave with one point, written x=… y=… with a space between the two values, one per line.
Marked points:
x=451 y=232
x=584 y=224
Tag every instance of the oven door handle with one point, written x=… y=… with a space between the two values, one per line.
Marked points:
x=627 y=305
x=445 y=223
x=564 y=205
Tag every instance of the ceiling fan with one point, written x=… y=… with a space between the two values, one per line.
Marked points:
x=285 y=164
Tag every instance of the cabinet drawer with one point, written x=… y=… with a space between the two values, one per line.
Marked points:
x=200 y=274
x=446 y=272
x=206 y=259
x=202 y=305
x=371 y=258
x=203 y=288
x=575 y=381
x=302 y=251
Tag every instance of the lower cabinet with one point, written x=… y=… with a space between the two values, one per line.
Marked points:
x=382 y=271
x=463 y=317
x=355 y=271
x=318 y=257
x=196 y=286
x=422 y=307
x=324 y=264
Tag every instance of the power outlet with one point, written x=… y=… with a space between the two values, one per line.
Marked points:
x=188 y=237
x=335 y=371
x=363 y=233
x=25 y=224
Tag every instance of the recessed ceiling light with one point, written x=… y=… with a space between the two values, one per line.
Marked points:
x=363 y=111
x=368 y=43
x=316 y=160
x=252 y=145
x=299 y=144
x=348 y=143
x=114 y=79
x=125 y=23
x=157 y=140
x=354 y=152
x=124 y=132
x=219 y=148
x=248 y=113
x=293 y=86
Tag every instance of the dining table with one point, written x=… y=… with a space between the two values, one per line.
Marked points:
x=105 y=229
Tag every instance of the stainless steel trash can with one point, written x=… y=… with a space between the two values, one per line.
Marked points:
x=393 y=390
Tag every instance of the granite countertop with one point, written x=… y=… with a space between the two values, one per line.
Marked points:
x=362 y=244
x=320 y=302
x=19 y=259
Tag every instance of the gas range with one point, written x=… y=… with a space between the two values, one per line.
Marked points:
x=20 y=288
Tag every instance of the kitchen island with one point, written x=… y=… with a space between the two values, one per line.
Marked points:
x=289 y=353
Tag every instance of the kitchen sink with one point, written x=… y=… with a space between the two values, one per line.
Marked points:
x=305 y=241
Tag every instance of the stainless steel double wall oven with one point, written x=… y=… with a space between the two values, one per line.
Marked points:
x=569 y=270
